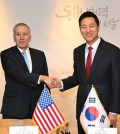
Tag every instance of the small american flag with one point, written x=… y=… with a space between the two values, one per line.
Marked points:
x=46 y=114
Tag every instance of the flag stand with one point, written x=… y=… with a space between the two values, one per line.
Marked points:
x=64 y=129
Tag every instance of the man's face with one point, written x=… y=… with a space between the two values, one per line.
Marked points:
x=22 y=36
x=89 y=30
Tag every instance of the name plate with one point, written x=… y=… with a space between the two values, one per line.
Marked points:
x=102 y=131
x=23 y=130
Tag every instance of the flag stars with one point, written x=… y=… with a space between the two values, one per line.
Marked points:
x=46 y=114
x=45 y=100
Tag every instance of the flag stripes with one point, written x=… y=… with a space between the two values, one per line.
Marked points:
x=46 y=115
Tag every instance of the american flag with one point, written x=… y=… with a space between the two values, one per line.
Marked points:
x=46 y=114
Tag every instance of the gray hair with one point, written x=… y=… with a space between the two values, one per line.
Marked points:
x=21 y=24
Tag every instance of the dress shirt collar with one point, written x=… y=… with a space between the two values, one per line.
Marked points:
x=94 y=45
x=27 y=50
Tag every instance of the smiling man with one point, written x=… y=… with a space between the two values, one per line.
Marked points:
x=97 y=63
x=25 y=78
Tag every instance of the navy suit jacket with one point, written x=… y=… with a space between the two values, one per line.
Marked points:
x=104 y=75
x=22 y=89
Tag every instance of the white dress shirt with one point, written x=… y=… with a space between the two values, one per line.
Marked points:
x=27 y=51
x=94 y=46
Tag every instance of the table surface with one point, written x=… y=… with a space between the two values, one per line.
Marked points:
x=118 y=125
x=5 y=123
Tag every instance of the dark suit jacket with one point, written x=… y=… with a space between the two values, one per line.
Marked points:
x=21 y=89
x=104 y=75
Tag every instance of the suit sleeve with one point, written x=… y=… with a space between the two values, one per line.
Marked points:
x=14 y=71
x=115 y=72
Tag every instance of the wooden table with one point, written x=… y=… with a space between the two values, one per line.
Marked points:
x=5 y=123
x=118 y=125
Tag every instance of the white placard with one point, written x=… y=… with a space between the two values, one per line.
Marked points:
x=24 y=130
x=102 y=130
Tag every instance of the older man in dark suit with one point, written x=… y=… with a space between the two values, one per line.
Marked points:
x=24 y=83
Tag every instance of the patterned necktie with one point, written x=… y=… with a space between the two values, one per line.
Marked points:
x=26 y=59
x=89 y=61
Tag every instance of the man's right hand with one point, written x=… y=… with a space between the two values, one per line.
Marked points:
x=52 y=82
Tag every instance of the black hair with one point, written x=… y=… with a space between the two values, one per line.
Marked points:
x=88 y=14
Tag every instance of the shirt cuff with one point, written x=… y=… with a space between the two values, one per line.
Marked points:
x=113 y=113
x=62 y=86
x=38 y=80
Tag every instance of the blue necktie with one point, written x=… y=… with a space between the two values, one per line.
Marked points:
x=26 y=59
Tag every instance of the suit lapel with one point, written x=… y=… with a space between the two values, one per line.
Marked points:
x=20 y=58
x=33 y=59
x=98 y=57
x=81 y=61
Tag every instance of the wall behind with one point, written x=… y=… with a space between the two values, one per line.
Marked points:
x=55 y=31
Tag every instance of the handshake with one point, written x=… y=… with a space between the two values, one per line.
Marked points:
x=52 y=82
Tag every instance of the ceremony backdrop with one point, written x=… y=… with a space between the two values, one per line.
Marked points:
x=55 y=31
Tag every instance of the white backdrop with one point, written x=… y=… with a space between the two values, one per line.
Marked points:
x=55 y=31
